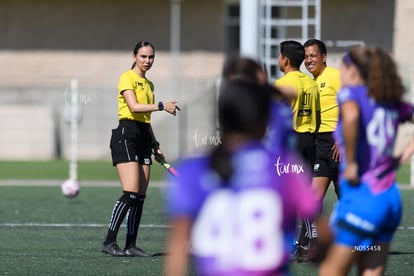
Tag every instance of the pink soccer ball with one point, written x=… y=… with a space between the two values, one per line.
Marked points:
x=70 y=188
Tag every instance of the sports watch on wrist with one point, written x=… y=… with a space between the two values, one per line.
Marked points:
x=160 y=106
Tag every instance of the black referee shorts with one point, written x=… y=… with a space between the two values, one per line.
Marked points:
x=131 y=142
x=306 y=147
x=325 y=166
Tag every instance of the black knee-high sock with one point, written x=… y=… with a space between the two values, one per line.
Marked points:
x=118 y=214
x=133 y=221
x=305 y=232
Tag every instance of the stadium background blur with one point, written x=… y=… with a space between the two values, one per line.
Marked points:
x=44 y=44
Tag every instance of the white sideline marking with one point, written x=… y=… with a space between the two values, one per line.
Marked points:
x=406 y=228
x=98 y=225
x=68 y=225
x=82 y=183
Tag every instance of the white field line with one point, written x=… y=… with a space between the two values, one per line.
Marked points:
x=86 y=183
x=406 y=228
x=74 y=225
x=105 y=183
x=98 y=225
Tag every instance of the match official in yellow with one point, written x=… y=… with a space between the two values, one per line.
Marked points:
x=132 y=144
x=325 y=169
x=305 y=115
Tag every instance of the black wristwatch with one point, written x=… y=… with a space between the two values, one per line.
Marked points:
x=160 y=106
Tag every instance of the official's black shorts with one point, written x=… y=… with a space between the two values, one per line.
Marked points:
x=131 y=142
x=325 y=166
x=306 y=147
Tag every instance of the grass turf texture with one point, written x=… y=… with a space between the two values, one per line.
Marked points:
x=59 y=169
x=74 y=249
x=33 y=246
x=96 y=170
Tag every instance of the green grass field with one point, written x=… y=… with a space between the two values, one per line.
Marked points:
x=44 y=233
x=59 y=169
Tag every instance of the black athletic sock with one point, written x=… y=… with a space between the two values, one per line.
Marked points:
x=313 y=239
x=305 y=232
x=118 y=214
x=133 y=221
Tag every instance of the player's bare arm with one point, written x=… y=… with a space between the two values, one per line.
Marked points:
x=350 y=115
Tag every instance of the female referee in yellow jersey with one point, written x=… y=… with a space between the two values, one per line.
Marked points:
x=132 y=144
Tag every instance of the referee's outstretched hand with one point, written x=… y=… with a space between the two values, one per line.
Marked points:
x=171 y=107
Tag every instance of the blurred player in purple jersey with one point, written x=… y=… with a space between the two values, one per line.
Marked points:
x=243 y=68
x=233 y=209
x=279 y=133
x=369 y=209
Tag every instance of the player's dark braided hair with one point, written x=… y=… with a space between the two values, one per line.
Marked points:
x=243 y=110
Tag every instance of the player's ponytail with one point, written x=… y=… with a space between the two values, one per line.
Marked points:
x=379 y=72
x=220 y=162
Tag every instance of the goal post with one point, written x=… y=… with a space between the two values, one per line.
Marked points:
x=72 y=114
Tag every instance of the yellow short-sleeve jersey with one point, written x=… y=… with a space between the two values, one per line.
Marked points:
x=144 y=91
x=306 y=105
x=329 y=84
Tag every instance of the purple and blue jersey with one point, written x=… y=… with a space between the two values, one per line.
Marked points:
x=370 y=212
x=280 y=134
x=376 y=136
x=246 y=225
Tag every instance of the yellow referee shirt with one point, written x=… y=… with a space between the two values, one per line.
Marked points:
x=144 y=91
x=306 y=105
x=329 y=84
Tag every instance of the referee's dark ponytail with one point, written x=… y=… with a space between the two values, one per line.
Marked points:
x=243 y=109
x=140 y=45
